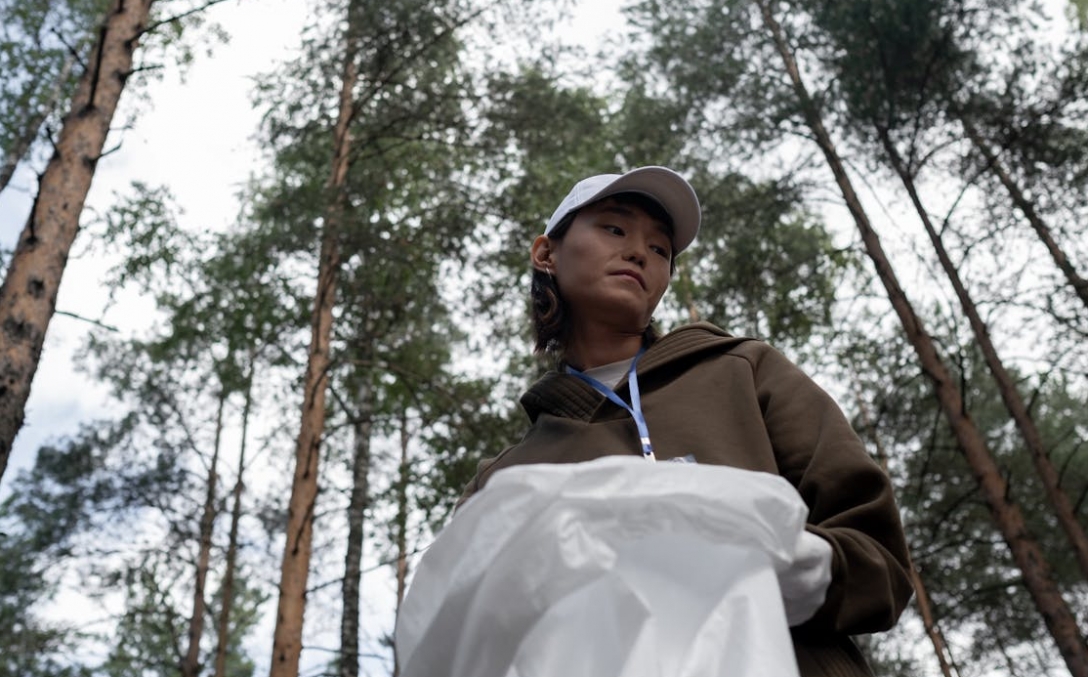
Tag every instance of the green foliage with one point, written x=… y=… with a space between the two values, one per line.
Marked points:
x=889 y=658
x=33 y=647
x=151 y=628
x=762 y=265
x=75 y=501
x=893 y=60
x=43 y=46
x=46 y=46
x=539 y=137
x=408 y=210
x=712 y=57
x=248 y=599
x=456 y=164
x=1080 y=8
x=70 y=484
x=144 y=225
x=1034 y=118
x=975 y=588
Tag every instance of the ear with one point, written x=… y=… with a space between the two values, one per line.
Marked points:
x=542 y=254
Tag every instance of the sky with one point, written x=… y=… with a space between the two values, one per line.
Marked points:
x=193 y=133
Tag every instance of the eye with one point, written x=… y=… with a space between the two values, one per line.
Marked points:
x=660 y=251
x=615 y=230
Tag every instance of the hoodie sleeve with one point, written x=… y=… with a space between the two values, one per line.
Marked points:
x=850 y=498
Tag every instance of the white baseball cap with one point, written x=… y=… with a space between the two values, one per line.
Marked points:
x=662 y=184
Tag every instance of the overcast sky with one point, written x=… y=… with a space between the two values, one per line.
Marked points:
x=193 y=134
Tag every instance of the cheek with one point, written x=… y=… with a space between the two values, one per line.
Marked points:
x=662 y=276
x=575 y=265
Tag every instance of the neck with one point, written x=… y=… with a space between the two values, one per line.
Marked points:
x=593 y=347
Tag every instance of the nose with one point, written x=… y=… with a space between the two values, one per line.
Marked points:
x=637 y=252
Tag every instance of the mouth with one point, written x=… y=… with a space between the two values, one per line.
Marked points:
x=633 y=275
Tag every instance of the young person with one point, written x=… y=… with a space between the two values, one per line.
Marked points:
x=701 y=395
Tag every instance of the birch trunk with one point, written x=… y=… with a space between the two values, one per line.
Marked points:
x=1025 y=549
x=28 y=295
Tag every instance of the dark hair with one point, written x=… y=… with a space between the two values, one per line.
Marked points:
x=550 y=315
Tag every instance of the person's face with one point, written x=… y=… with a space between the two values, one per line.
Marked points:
x=612 y=265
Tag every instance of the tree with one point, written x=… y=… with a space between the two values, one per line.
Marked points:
x=903 y=66
x=401 y=110
x=287 y=645
x=759 y=31
x=29 y=291
x=1015 y=142
x=40 y=43
x=975 y=591
x=1006 y=513
x=33 y=647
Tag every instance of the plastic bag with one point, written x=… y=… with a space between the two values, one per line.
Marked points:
x=616 y=567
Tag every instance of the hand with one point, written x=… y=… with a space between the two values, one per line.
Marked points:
x=804 y=583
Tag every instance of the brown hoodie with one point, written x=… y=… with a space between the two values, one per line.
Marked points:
x=738 y=402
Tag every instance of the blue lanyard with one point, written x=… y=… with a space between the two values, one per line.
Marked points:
x=635 y=408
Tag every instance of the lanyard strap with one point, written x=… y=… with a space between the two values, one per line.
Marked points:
x=635 y=408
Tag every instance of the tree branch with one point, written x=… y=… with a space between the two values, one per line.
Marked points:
x=81 y=318
x=179 y=17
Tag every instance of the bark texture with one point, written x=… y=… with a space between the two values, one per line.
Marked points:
x=28 y=295
x=1006 y=514
x=929 y=622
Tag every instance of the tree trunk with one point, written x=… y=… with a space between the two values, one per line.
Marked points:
x=929 y=622
x=402 y=523
x=14 y=155
x=1078 y=283
x=226 y=593
x=921 y=594
x=1006 y=514
x=295 y=570
x=190 y=665
x=687 y=298
x=360 y=489
x=28 y=295
x=1018 y=409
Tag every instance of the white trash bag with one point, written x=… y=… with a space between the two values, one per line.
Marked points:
x=612 y=568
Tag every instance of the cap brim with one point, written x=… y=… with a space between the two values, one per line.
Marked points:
x=668 y=188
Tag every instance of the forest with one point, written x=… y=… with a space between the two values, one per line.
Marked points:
x=893 y=193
